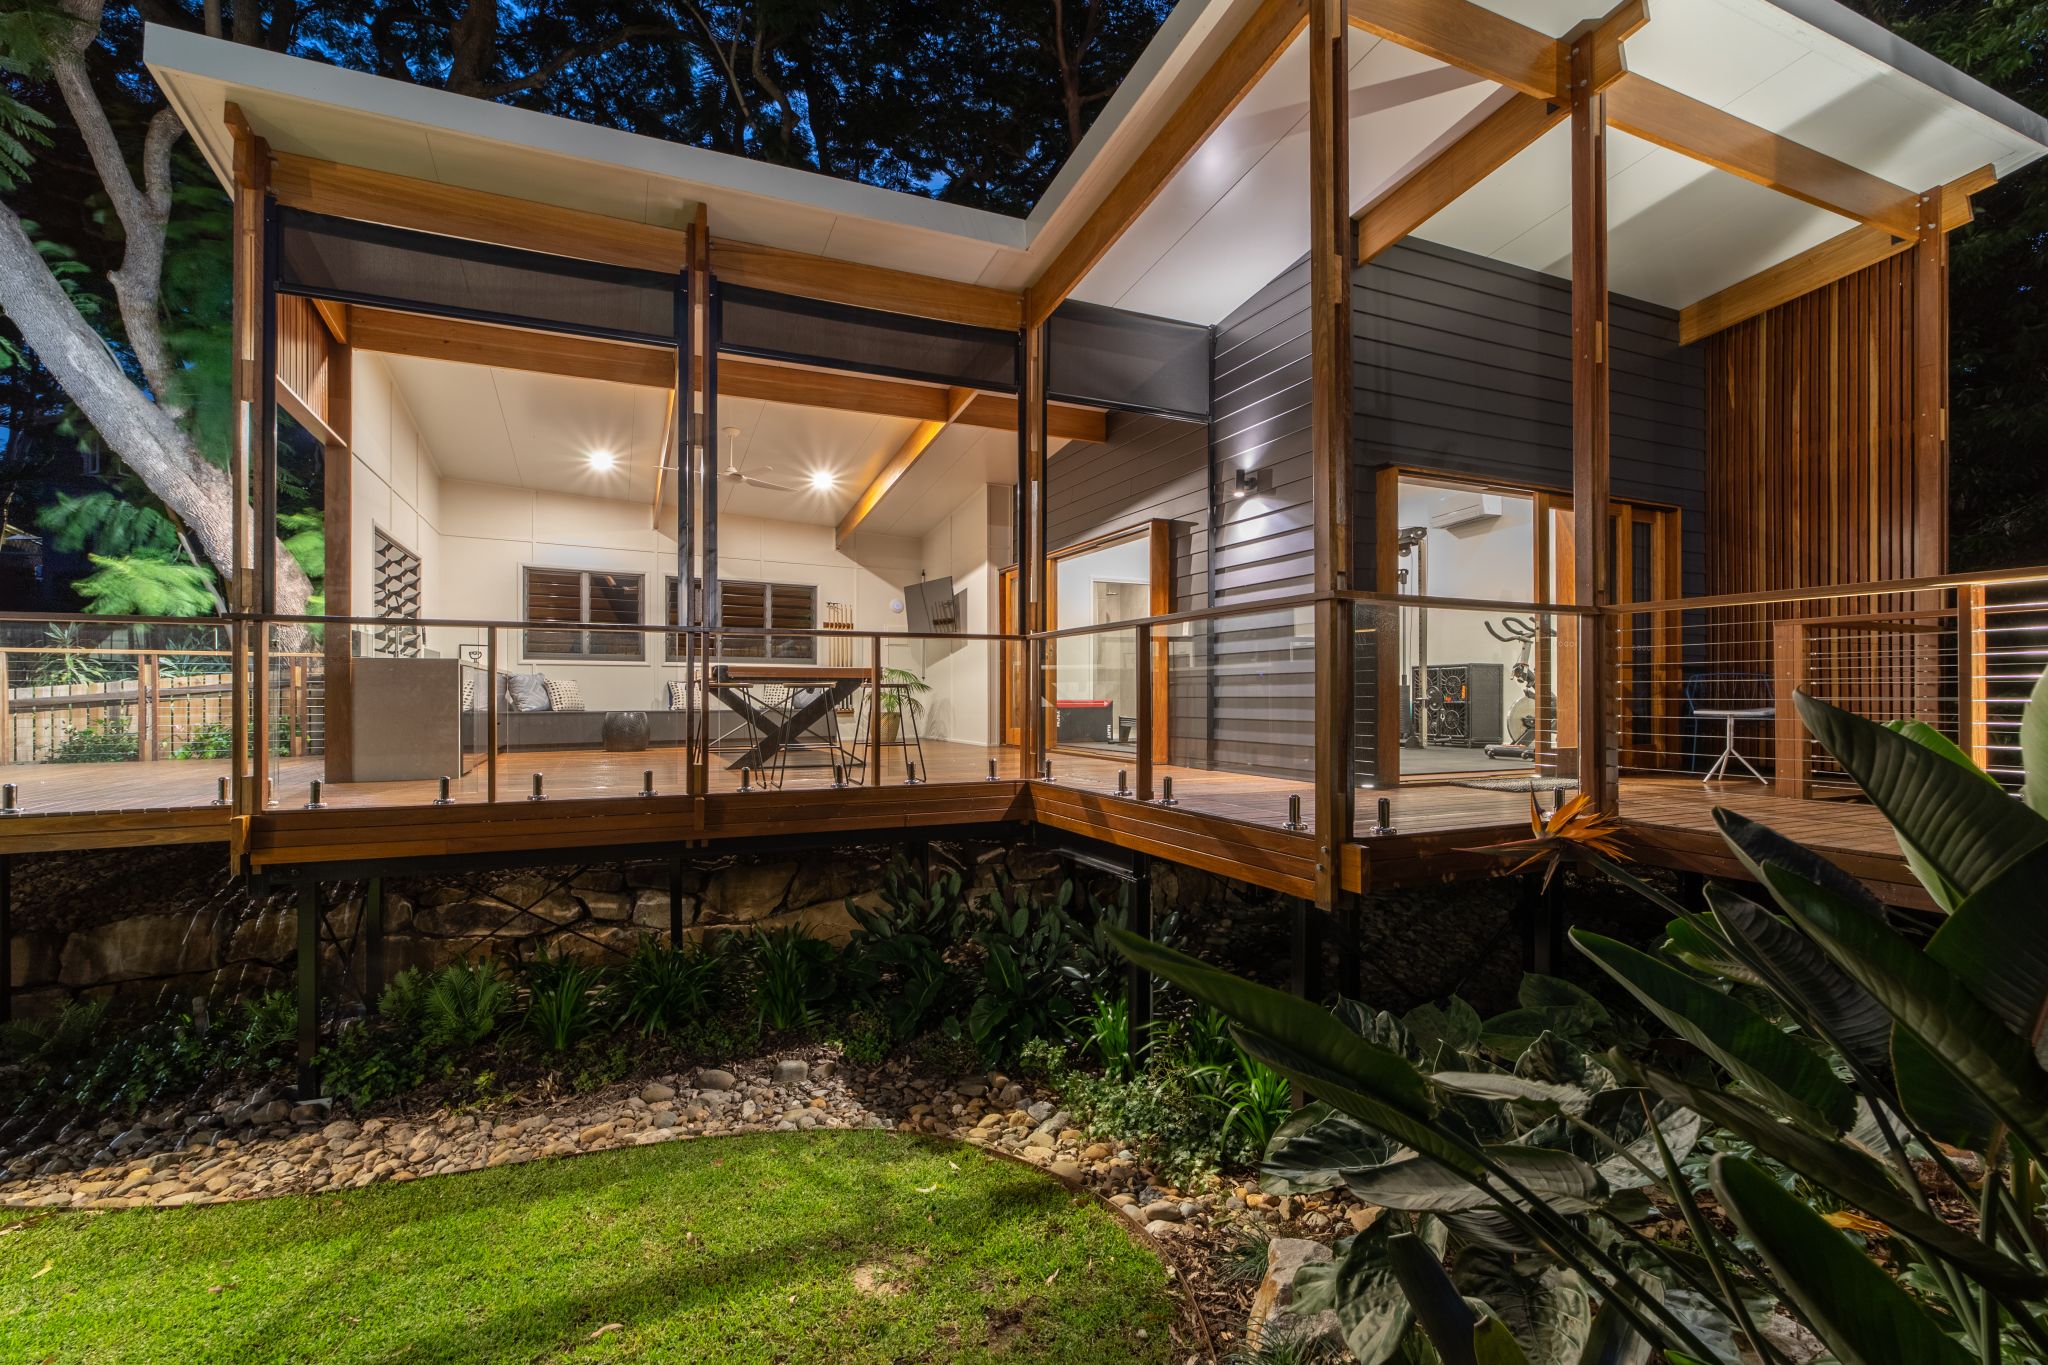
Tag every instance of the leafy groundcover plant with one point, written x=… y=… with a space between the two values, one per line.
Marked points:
x=1859 y=1091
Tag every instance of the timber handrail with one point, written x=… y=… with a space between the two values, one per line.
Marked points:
x=1881 y=588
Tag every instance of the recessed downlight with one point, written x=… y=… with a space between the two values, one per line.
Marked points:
x=823 y=480
x=603 y=461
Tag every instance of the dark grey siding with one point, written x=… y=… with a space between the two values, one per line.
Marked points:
x=1463 y=366
x=1149 y=467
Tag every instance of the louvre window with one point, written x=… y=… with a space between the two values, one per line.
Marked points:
x=395 y=593
x=745 y=605
x=568 y=598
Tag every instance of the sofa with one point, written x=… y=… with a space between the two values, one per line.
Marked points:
x=548 y=728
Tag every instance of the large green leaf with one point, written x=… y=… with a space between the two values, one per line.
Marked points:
x=1547 y=1309
x=1312 y=1150
x=1545 y=1096
x=1806 y=980
x=1929 y=1002
x=1997 y=942
x=1418 y=1184
x=1943 y=1107
x=2034 y=747
x=1931 y=739
x=1445 y=1316
x=1965 y=828
x=1308 y=1045
x=1615 y=1341
x=1360 y=1288
x=1861 y=1313
x=1755 y=843
x=1855 y=1178
x=1755 y=1050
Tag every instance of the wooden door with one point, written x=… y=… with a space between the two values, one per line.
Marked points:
x=1642 y=566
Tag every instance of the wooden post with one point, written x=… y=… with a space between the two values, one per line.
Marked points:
x=1138 y=981
x=1032 y=737
x=338 y=505
x=875 y=711
x=1973 y=719
x=1930 y=390
x=1330 y=257
x=1148 y=713
x=6 y=712
x=1596 y=699
x=493 y=699
x=1792 y=755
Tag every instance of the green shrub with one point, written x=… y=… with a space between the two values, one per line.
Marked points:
x=663 y=985
x=896 y=963
x=212 y=740
x=864 y=1038
x=462 y=1004
x=561 y=1004
x=792 y=976
x=111 y=739
x=1040 y=967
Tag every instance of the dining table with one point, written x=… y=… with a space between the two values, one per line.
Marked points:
x=814 y=691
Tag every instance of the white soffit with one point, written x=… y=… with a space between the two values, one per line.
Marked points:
x=787 y=444
x=526 y=430
x=959 y=462
x=1236 y=214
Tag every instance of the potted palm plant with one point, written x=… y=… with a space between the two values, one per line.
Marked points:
x=901 y=689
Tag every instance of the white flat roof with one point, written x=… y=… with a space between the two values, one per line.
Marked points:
x=1236 y=213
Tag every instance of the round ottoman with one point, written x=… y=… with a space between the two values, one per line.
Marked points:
x=625 y=732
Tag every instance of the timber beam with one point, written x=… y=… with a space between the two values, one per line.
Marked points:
x=1817 y=267
x=912 y=449
x=624 y=362
x=1491 y=143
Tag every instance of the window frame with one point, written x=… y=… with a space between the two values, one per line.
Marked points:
x=582 y=630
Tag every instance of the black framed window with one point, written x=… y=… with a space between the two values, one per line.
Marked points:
x=747 y=605
x=568 y=598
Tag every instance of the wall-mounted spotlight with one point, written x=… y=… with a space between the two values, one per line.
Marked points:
x=1245 y=483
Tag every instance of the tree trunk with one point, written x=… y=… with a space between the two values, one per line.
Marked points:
x=144 y=436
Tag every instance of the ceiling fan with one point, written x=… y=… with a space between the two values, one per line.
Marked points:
x=733 y=471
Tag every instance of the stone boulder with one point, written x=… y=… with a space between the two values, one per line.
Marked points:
x=139 y=947
x=745 y=892
x=1272 y=1317
x=33 y=958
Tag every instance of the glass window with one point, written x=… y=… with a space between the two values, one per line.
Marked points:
x=574 y=597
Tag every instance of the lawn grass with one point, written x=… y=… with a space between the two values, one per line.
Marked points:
x=788 y=1247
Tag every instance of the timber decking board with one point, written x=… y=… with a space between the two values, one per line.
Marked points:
x=1228 y=823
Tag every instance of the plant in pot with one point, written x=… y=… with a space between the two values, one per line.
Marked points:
x=901 y=689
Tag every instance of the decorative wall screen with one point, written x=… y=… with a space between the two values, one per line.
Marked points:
x=395 y=593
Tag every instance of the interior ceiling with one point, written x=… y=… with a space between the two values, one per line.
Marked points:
x=1236 y=214
x=528 y=430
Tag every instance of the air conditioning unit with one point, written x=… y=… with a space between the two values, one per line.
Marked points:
x=1463 y=509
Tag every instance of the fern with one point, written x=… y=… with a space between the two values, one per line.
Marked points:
x=463 y=1004
x=146 y=587
x=105 y=523
x=23 y=130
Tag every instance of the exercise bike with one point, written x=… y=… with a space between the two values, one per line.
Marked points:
x=1525 y=631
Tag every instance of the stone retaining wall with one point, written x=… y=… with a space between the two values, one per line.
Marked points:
x=211 y=940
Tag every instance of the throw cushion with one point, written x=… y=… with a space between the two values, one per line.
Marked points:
x=526 y=692
x=564 y=696
x=678 y=694
x=469 y=694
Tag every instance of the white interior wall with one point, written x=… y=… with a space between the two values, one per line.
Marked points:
x=971 y=546
x=1101 y=666
x=1493 y=559
x=397 y=486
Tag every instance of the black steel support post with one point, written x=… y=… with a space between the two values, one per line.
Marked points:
x=1138 y=981
x=675 y=901
x=309 y=988
x=1349 y=912
x=1541 y=924
x=373 y=942
x=6 y=937
x=1306 y=978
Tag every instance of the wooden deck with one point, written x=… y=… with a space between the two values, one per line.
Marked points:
x=1229 y=823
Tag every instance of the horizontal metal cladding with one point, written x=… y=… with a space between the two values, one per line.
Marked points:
x=1129 y=362
x=1463 y=366
x=838 y=336
x=422 y=272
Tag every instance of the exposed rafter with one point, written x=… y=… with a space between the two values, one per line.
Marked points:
x=1461 y=34
x=1655 y=113
x=865 y=286
x=912 y=449
x=1430 y=188
x=1249 y=56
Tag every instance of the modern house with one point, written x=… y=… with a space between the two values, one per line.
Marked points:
x=1394 y=408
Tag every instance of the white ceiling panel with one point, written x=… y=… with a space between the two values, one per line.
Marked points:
x=791 y=445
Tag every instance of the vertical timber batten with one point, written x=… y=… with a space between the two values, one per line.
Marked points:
x=1930 y=389
x=1591 y=466
x=1330 y=256
x=252 y=176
